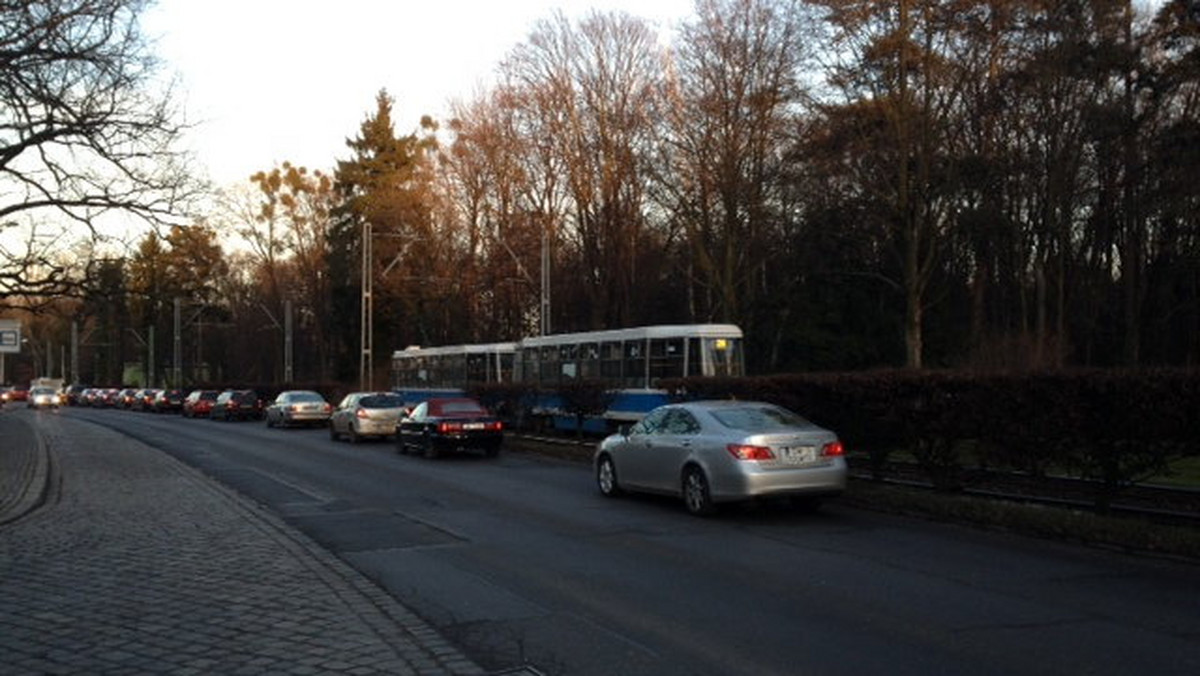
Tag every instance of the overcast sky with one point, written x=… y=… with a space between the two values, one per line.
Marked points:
x=275 y=80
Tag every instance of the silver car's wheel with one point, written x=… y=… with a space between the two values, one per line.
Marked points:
x=354 y=438
x=333 y=434
x=696 y=495
x=606 y=477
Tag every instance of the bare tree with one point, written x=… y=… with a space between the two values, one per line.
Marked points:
x=83 y=133
x=730 y=107
x=591 y=86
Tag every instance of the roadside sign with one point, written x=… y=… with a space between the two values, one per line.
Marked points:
x=10 y=335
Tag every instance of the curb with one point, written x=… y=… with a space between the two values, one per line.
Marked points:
x=33 y=484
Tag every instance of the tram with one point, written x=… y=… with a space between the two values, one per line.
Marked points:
x=630 y=361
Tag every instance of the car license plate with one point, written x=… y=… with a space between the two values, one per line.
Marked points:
x=473 y=426
x=798 y=455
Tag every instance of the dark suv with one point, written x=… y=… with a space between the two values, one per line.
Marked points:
x=237 y=405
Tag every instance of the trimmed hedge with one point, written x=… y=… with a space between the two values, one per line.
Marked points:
x=1113 y=427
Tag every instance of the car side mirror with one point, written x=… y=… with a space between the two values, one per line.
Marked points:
x=623 y=430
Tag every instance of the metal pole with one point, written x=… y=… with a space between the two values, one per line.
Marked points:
x=75 y=352
x=367 y=329
x=177 y=360
x=544 y=311
x=150 y=364
x=288 y=374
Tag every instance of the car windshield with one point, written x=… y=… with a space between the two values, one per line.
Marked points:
x=758 y=418
x=305 y=396
x=381 y=401
x=42 y=390
x=458 y=408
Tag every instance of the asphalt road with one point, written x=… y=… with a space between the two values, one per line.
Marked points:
x=520 y=560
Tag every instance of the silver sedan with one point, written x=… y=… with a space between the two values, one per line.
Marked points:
x=298 y=407
x=708 y=452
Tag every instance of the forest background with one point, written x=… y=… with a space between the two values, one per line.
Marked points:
x=858 y=184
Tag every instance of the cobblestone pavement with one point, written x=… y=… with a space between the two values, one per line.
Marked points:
x=137 y=564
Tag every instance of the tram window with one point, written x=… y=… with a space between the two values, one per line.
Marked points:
x=528 y=366
x=569 y=361
x=635 y=364
x=477 y=368
x=549 y=365
x=724 y=355
x=666 y=358
x=695 y=360
x=610 y=361
x=506 y=368
x=589 y=360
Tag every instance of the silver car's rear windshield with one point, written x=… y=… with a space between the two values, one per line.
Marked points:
x=759 y=418
x=382 y=401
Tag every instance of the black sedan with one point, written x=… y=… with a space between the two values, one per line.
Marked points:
x=439 y=426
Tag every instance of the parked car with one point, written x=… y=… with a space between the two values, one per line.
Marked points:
x=237 y=405
x=298 y=407
x=199 y=403
x=366 y=414
x=125 y=397
x=442 y=425
x=709 y=452
x=168 y=401
x=74 y=394
x=43 y=397
x=143 y=399
x=17 y=393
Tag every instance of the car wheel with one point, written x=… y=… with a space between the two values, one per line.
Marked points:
x=696 y=495
x=606 y=477
x=430 y=449
x=333 y=434
x=401 y=447
x=354 y=438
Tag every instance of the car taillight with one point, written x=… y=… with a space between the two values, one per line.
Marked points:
x=447 y=427
x=749 y=452
x=833 y=448
x=362 y=414
x=495 y=426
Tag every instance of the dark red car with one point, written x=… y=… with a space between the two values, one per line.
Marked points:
x=199 y=403
x=439 y=426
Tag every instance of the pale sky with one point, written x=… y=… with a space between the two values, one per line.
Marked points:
x=274 y=80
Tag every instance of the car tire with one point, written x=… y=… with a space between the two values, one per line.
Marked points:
x=401 y=447
x=430 y=449
x=697 y=497
x=354 y=438
x=333 y=433
x=606 y=477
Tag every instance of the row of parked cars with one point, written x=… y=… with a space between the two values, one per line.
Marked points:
x=430 y=428
x=704 y=452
